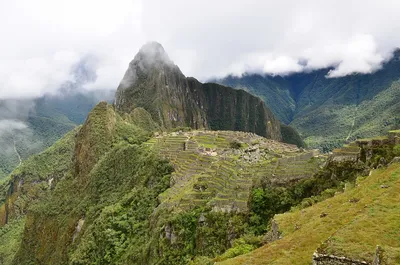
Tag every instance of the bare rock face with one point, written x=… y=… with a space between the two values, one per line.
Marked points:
x=156 y=84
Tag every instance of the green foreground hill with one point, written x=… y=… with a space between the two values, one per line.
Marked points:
x=351 y=224
x=134 y=185
x=115 y=192
x=105 y=193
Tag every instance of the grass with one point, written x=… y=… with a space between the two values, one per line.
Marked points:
x=105 y=174
x=11 y=236
x=228 y=179
x=349 y=229
x=328 y=112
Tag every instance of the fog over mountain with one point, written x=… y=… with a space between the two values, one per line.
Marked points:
x=207 y=39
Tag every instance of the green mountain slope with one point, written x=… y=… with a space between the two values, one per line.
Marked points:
x=45 y=121
x=106 y=194
x=330 y=111
x=350 y=225
x=124 y=190
x=156 y=84
x=132 y=187
x=110 y=193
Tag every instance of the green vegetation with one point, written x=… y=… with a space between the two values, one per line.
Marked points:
x=49 y=119
x=138 y=187
x=28 y=183
x=328 y=112
x=396 y=150
x=118 y=221
x=42 y=133
x=354 y=223
x=178 y=101
x=11 y=236
x=291 y=136
x=113 y=183
x=242 y=245
x=235 y=145
x=109 y=193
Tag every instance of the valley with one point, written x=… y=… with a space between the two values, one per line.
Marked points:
x=329 y=112
x=181 y=172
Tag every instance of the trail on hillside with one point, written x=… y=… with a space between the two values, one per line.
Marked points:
x=352 y=125
x=16 y=151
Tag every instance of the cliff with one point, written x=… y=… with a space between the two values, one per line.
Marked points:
x=156 y=84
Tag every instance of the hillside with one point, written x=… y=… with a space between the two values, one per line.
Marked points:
x=357 y=226
x=30 y=126
x=132 y=186
x=124 y=186
x=114 y=192
x=346 y=228
x=156 y=84
x=328 y=112
x=110 y=165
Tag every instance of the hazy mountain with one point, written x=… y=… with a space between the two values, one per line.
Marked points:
x=135 y=185
x=155 y=83
x=31 y=125
x=328 y=112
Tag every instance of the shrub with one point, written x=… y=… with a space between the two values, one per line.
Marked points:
x=202 y=260
x=396 y=150
x=241 y=246
x=235 y=145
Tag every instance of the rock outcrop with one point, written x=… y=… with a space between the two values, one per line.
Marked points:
x=324 y=259
x=156 y=84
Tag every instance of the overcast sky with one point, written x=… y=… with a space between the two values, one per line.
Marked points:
x=41 y=40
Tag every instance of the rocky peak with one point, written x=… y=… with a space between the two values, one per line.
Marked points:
x=150 y=57
x=152 y=53
x=155 y=83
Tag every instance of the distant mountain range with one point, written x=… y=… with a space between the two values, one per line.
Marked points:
x=156 y=84
x=178 y=172
x=328 y=112
x=29 y=126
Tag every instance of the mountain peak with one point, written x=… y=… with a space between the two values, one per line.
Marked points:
x=152 y=53
x=152 y=46
x=155 y=83
x=151 y=57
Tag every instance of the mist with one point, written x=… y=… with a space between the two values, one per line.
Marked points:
x=45 y=39
x=9 y=126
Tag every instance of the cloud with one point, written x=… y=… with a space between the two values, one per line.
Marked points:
x=14 y=109
x=44 y=39
x=9 y=126
x=34 y=77
x=282 y=64
x=360 y=55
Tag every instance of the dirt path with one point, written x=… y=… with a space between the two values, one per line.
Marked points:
x=16 y=151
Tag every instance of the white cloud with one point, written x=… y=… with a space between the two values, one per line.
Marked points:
x=43 y=39
x=282 y=64
x=360 y=55
x=35 y=76
x=8 y=126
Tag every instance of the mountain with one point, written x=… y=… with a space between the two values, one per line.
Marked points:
x=153 y=82
x=124 y=164
x=29 y=126
x=355 y=227
x=328 y=112
x=130 y=186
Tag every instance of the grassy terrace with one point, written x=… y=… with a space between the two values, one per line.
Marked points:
x=356 y=222
x=209 y=172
